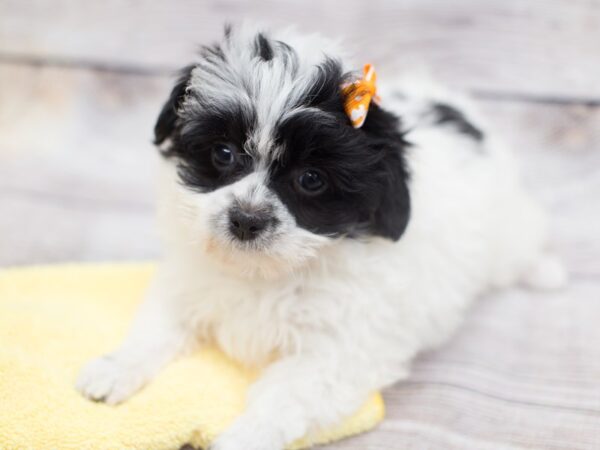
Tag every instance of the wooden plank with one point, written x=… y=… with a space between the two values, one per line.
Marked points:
x=80 y=133
x=76 y=165
x=39 y=229
x=538 y=47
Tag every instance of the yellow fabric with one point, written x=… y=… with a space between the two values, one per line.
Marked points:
x=54 y=319
x=358 y=96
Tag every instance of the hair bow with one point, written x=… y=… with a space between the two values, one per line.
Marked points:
x=358 y=95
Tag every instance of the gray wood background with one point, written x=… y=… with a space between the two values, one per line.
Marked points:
x=81 y=83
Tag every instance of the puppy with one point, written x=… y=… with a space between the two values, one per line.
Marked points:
x=327 y=254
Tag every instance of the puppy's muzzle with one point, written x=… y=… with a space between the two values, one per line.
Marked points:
x=247 y=225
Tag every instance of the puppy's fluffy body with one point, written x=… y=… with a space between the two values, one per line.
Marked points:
x=331 y=313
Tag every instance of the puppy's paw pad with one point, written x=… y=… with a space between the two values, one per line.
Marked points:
x=108 y=380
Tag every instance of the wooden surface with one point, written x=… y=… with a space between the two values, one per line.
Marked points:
x=514 y=47
x=81 y=84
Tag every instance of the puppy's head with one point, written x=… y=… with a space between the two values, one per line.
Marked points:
x=269 y=167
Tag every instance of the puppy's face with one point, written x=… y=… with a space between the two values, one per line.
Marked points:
x=270 y=167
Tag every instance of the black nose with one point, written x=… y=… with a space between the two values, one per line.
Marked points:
x=247 y=225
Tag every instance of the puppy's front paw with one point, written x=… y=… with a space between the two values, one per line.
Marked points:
x=109 y=380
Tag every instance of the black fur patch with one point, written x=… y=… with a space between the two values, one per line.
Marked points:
x=263 y=48
x=194 y=142
x=446 y=114
x=365 y=168
x=325 y=88
x=167 y=119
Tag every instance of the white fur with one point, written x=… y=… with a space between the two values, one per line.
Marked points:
x=331 y=319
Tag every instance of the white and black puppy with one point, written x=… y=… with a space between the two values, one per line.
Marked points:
x=327 y=254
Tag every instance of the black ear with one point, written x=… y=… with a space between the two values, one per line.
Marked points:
x=390 y=219
x=165 y=125
x=391 y=216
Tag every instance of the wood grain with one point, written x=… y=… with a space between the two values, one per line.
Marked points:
x=76 y=165
x=533 y=48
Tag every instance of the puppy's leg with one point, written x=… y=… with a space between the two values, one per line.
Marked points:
x=294 y=396
x=157 y=335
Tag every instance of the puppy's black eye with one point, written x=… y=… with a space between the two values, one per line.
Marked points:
x=311 y=182
x=223 y=156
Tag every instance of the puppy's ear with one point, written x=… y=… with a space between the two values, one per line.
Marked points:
x=391 y=216
x=165 y=125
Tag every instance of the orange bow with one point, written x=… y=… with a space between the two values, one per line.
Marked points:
x=358 y=96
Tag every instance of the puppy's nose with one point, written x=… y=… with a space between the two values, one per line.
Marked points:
x=247 y=225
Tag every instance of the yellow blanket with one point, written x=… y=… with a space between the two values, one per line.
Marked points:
x=54 y=319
